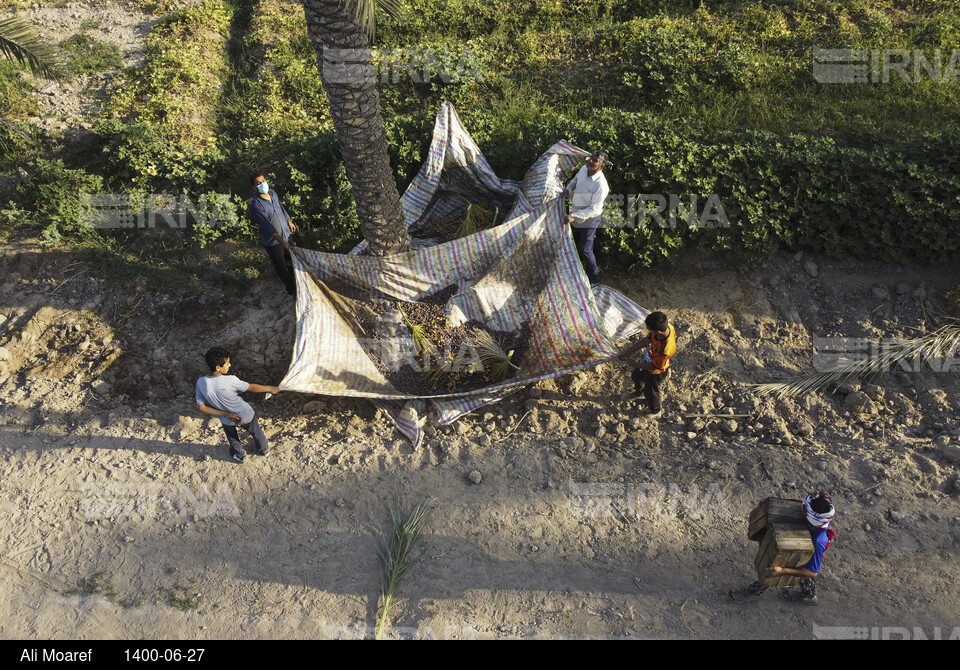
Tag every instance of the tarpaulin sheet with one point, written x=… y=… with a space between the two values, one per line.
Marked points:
x=521 y=275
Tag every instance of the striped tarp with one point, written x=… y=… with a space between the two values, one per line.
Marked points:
x=523 y=274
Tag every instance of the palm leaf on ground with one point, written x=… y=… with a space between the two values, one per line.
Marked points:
x=19 y=42
x=941 y=342
x=397 y=553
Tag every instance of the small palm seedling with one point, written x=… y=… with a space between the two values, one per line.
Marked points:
x=495 y=361
x=933 y=345
x=397 y=554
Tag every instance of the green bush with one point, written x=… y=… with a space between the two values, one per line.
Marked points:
x=690 y=97
x=52 y=195
x=17 y=144
x=668 y=65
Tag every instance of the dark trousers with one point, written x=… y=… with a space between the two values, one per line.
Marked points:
x=259 y=439
x=283 y=264
x=585 y=233
x=649 y=385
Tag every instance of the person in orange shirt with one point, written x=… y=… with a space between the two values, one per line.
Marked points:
x=659 y=346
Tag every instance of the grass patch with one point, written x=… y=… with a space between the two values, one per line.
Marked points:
x=159 y=119
x=17 y=100
x=89 y=55
x=184 y=596
x=245 y=265
x=96 y=585
x=169 y=271
x=99 y=585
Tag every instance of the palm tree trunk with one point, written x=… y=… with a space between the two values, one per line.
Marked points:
x=355 y=108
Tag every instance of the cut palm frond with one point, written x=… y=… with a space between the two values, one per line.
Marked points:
x=396 y=554
x=483 y=216
x=425 y=346
x=476 y=219
x=19 y=42
x=941 y=342
x=440 y=371
x=441 y=227
x=492 y=356
x=467 y=227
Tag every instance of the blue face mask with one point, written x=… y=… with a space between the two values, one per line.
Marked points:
x=263 y=188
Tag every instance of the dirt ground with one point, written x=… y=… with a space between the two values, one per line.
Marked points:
x=124 y=517
x=69 y=105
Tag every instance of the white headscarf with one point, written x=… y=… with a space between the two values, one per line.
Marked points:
x=816 y=519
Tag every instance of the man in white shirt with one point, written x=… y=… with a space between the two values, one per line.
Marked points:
x=588 y=190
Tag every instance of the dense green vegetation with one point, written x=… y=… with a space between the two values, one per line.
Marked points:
x=89 y=55
x=688 y=97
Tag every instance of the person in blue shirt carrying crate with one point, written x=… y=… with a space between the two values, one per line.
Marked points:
x=819 y=512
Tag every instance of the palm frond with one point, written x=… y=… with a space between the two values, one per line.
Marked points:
x=19 y=41
x=425 y=346
x=924 y=349
x=396 y=553
x=441 y=226
x=441 y=370
x=495 y=360
x=365 y=11
x=467 y=227
x=476 y=219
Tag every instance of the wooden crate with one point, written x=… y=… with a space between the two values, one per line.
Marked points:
x=775 y=510
x=784 y=546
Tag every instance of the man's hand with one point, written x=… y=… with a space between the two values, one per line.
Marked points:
x=212 y=411
x=564 y=192
x=285 y=244
x=568 y=220
x=774 y=571
x=293 y=228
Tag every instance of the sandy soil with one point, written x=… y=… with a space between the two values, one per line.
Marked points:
x=125 y=519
